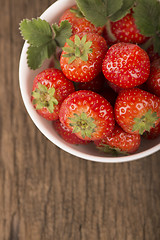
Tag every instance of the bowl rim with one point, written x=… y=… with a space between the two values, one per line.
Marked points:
x=33 y=114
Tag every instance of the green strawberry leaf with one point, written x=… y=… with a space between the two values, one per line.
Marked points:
x=147 y=19
x=113 y=6
x=102 y=10
x=126 y=6
x=88 y=7
x=146 y=14
x=43 y=39
x=36 y=31
x=36 y=55
x=77 y=12
x=62 y=32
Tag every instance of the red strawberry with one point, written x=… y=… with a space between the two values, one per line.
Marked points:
x=82 y=56
x=126 y=65
x=50 y=88
x=95 y=85
x=152 y=54
x=137 y=111
x=153 y=82
x=123 y=30
x=87 y=114
x=153 y=133
x=67 y=134
x=119 y=142
x=78 y=22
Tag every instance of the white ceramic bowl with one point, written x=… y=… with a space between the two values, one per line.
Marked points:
x=88 y=152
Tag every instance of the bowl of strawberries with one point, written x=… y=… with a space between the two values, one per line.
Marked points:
x=89 y=76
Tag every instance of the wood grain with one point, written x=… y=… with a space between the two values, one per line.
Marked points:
x=47 y=194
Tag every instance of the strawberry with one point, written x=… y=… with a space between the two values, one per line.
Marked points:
x=87 y=114
x=119 y=142
x=78 y=22
x=50 y=88
x=95 y=85
x=153 y=82
x=67 y=134
x=126 y=65
x=152 y=54
x=123 y=30
x=152 y=133
x=137 y=110
x=82 y=56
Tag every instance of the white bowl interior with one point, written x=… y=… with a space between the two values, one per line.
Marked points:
x=26 y=77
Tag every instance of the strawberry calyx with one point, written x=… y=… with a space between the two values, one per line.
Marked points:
x=79 y=48
x=83 y=124
x=146 y=122
x=111 y=150
x=44 y=97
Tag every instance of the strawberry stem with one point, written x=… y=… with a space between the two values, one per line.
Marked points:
x=109 y=31
x=147 y=44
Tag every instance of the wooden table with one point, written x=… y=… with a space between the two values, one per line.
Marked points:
x=47 y=194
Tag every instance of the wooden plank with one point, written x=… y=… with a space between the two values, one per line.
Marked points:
x=45 y=193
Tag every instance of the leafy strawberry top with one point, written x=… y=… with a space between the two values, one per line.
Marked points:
x=104 y=9
x=79 y=48
x=44 y=38
x=146 y=14
x=44 y=97
x=147 y=19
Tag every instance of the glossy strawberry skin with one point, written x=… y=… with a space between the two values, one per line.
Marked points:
x=79 y=24
x=125 y=30
x=153 y=82
x=63 y=87
x=119 y=139
x=97 y=110
x=135 y=103
x=126 y=65
x=85 y=71
x=67 y=134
